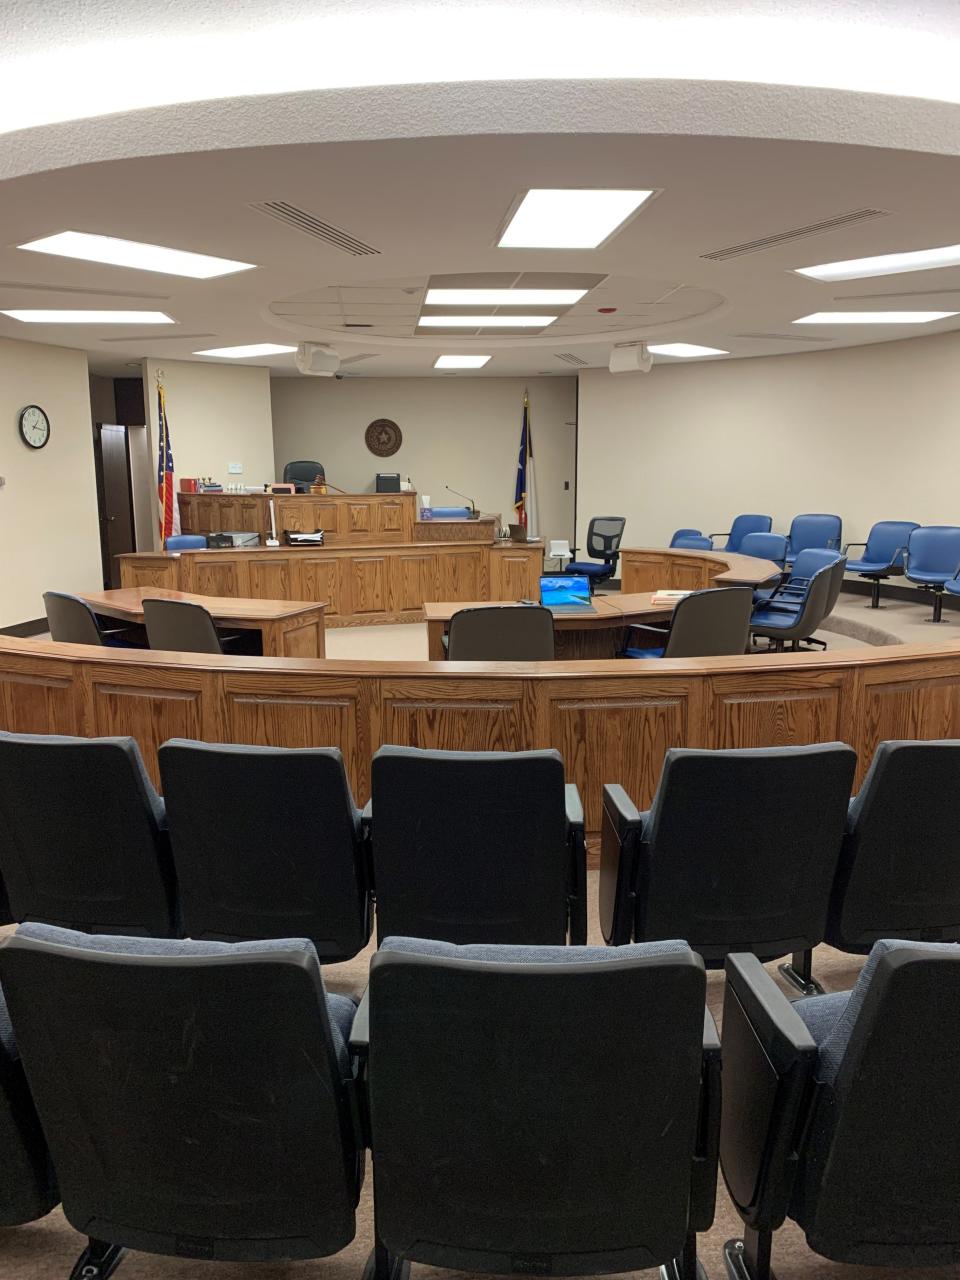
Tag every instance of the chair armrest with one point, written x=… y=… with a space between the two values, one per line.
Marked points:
x=360 y=1031
x=703 y=1182
x=768 y=1062
x=848 y=545
x=574 y=806
x=643 y=626
x=620 y=830
x=577 y=844
x=719 y=535
x=366 y=844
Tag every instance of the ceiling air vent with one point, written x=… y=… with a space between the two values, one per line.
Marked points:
x=569 y=358
x=311 y=225
x=796 y=233
x=782 y=337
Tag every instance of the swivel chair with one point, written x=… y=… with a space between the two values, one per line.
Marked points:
x=742 y=527
x=501 y=633
x=798 y=606
x=303 y=474
x=711 y=623
x=181 y=626
x=813 y=530
x=680 y=534
x=604 y=535
x=933 y=560
x=72 y=621
x=883 y=554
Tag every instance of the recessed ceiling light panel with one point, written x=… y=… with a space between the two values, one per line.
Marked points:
x=460 y=362
x=485 y=322
x=36 y=316
x=886 y=264
x=685 y=350
x=241 y=353
x=503 y=297
x=131 y=253
x=551 y=218
x=874 y=317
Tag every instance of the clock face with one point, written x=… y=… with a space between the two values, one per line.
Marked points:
x=34 y=426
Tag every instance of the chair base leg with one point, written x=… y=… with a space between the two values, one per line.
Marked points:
x=743 y=1263
x=937 y=607
x=98 y=1261
x=688 y=1266
x=875 y=594
x=383 y=1265
x=799 y=973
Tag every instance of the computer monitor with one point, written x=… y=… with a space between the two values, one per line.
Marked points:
x=561 y=591
x=388 y=482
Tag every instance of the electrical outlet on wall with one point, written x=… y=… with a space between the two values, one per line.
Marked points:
x=235 y=468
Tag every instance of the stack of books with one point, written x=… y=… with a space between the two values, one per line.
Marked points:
x=667 y=597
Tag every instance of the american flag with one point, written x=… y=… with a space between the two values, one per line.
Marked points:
x=169 y=507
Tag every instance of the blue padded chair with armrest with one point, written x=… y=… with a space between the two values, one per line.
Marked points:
x=766 y=546
x=883 y=554
x=743 y=526
x=841 y=1112
x=680 y=534
x=604 y=534
x=198 y=1097
x=550 y=1165
x=813 y=530
x=933 y=560
x=691 y=542
x=186 y=542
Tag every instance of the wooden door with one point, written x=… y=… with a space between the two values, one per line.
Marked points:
x=114 y=498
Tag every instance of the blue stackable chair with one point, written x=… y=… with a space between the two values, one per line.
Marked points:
x=933 y=560
x=743 y=526
x=953 y=586
x=691 y=542
x=680 y=534
x=604 y=534
x=765 y=546
x=186 y=542
x=883 y=554
x=813 y=530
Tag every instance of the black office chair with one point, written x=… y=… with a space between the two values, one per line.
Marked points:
x=842 y=1111
x=83 y=840
x=388 y=482
x=72 y=621
x=197 y=1097
x=899 y=870
x=540 y=1110
x=604 y=535
x=266 y=844
x=737 y=853
x=303 y=474
x=501 y=633
x=477 y=846
x=183 y=627
x=28 y=1183
x=705 y=624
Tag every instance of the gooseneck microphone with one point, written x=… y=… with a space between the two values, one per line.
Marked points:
x=473 y=505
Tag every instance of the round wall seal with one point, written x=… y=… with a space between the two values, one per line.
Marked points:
x=383 y=437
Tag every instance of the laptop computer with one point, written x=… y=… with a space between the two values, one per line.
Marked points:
x=517 y=533
x=566 y=594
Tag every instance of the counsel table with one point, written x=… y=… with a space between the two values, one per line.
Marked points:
x=600 y=634
x=289 y=628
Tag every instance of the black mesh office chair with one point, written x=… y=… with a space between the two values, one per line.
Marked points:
x=501 y=633
x=604 y=534
x=72 y=621
x=842 y=1112
x=484 y=846
x=182 y=627
x=197 y=1097
x=267 y=844
x=303 y=474
x=737 y=853
x=540 y=1110
x=83 y=840
x=705 y=624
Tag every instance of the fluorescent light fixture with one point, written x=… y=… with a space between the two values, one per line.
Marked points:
x=685 y=350
x=460 y=362
x=548 y=218
x=34 y=316
x=485 y=322
x=131 y=253
x=874 y=317
x=242 y=353
x=503 y=297
x=886 y=264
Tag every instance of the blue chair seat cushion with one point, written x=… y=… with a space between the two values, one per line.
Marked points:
x=931 y=579
x=590 y=567
x=643 y=653
x=869 y=567
x=775 y=619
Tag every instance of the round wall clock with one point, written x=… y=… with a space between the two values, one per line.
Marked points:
x=34 y=426
x=383 y=437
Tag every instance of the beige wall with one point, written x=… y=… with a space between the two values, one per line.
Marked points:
x=218 y=413
x=48 y=504
x=459 y=431
x=871 y=433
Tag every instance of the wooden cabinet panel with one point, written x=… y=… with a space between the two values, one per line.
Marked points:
x=486 y=716
x=150 y=705
x=188 y=513
x=368 y=583
x=684 y=577
x=460 y=575
x=414 y=579
x=919 y=700
x=772 y=711
x=514 y=574
x=274 y=578
x=323 y=579
x=389 y=522
x=149 y=573
x=45 y=698
x=359 y=518
x=216 y=575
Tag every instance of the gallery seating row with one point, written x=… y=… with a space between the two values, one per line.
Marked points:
x=529 y=1110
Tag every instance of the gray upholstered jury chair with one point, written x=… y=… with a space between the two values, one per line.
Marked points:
x=501 y=633
x=198 y=1098
x=28 y=1183
x=540 y=1110
x=841 y=1112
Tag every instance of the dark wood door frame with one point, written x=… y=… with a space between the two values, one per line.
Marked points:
x=114 y=504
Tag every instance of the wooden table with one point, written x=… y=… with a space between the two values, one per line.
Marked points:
x=289 y=628
x=584 y=636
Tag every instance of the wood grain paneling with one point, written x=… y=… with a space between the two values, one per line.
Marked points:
x=365 y=517
x=388 y=519
x=216 y=574
x=415 y=577
x=460 y=574
x=41 y=697
x=919 y=700
x=368 y=583
x=762 y=711
x=274 y=577
x=515 y=573
x=321 y=578
x=151 y=705
x=150 y=571
x=453 y=715
x=360 y=519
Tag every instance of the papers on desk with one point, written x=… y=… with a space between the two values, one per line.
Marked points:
x=303 y=539
x=668 y=597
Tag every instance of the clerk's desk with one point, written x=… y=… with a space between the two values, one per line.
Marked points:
x=289 y=628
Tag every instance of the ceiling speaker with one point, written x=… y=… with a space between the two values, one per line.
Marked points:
x=632 y=359
x=317 y=361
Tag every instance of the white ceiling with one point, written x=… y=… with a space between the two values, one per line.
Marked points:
x=434 y=206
